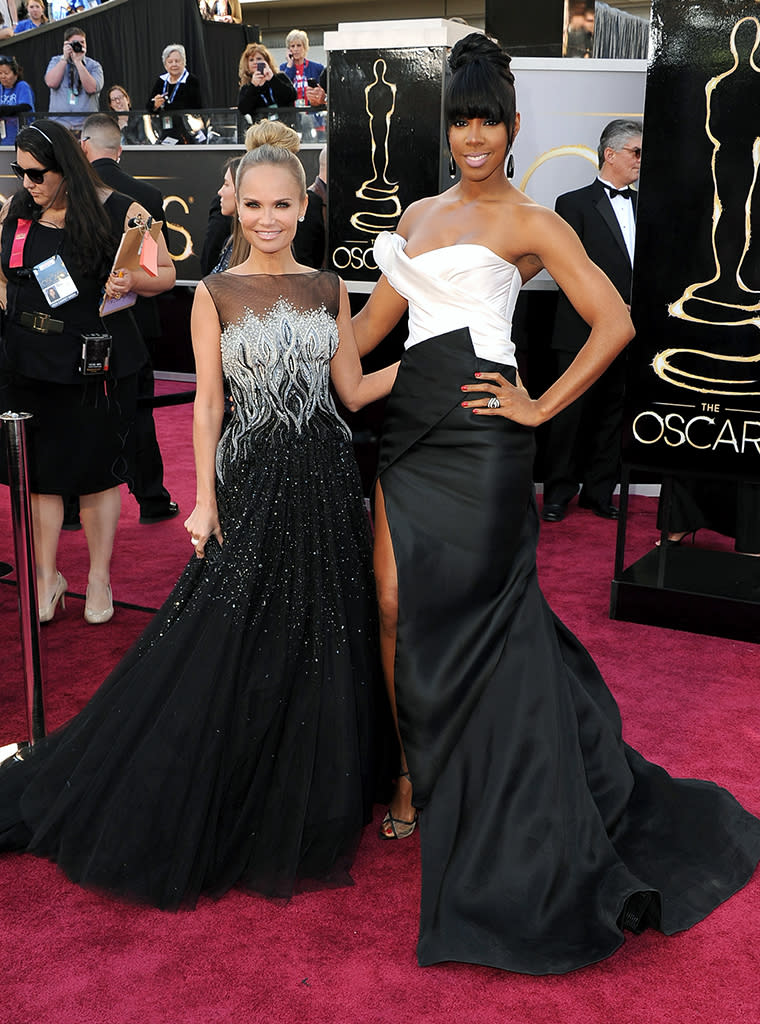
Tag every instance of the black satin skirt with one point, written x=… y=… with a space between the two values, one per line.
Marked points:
x=543 y=834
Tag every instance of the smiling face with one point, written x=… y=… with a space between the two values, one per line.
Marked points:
x=50 y=187
x=174 y=64
x=227 y=195
x=117 y=100
x=479 y=146
x=7 y=77
x=269 y=205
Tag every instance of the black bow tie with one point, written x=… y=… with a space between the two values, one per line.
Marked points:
x=626 y=193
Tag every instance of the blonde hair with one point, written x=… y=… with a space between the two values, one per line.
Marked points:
x=250 y=51
x=272 y=133
x=272 y=142
x=298 y=34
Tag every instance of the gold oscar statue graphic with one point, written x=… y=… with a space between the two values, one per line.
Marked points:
x=726 y=298
x=383 y=207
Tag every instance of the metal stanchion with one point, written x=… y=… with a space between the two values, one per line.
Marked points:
x=26 y=575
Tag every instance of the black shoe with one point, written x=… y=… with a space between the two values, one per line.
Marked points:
x=169 y=512
x=600 y=508
x=554 y=513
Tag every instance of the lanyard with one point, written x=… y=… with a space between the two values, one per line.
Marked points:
x=19 y=239
x=174 y=90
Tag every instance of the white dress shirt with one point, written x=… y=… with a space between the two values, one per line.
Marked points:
x=623 y=210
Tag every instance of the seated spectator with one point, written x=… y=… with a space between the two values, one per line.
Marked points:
x=303 y=73
x=175 y=90
x=16 y=97
x=74 y=80
x=130 y=124
x=36 y=16
x=260 y=85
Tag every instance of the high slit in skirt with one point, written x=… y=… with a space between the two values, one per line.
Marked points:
x=543 y=834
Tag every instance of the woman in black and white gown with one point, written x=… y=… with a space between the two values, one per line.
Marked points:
x=233 y=746
x=543 y=834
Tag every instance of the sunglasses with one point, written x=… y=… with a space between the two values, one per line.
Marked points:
x=636 y=150
x=35 y=174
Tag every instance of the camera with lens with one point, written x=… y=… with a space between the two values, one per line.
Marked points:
x=77 y=47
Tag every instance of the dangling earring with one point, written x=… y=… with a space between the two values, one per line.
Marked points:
x=452 y=165
x=511 y=166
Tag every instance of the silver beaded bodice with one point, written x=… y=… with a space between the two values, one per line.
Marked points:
x=278 y=336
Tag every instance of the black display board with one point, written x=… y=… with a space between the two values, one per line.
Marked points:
x=694 y=385
x=387 y=144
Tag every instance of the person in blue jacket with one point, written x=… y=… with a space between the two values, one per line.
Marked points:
x=16 y=97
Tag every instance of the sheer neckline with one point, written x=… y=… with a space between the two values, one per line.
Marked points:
x=295 y=273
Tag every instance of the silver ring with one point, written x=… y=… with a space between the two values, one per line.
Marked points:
x=494 y=403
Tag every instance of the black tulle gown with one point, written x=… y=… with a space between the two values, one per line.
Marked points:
x=234 y=744
x=543 y=834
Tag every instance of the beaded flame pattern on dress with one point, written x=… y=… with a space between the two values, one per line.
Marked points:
x=276 y=362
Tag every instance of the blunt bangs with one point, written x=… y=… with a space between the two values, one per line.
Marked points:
x=476 y=90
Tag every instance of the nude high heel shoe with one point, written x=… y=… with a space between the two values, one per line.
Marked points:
x=59 y=594
x=96 y=617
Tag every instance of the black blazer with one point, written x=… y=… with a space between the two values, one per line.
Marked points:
x=589 y=211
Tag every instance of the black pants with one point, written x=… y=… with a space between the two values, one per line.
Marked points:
x=584 y=439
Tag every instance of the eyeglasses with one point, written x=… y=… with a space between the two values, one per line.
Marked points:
x=636 y=150
x=35 y=174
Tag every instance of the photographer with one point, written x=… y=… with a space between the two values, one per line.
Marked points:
x=74 y=80
x=260 y=85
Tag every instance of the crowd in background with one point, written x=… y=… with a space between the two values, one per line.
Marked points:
x=176 y=98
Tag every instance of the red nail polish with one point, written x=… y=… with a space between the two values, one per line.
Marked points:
x=463 y=387
x=464 y=404
x=478 y=375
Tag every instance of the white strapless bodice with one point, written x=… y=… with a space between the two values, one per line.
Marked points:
x=457 y=286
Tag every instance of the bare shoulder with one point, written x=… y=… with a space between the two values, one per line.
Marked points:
x=531 y=220
x=415 y=213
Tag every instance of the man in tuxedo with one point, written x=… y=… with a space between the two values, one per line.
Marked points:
x=583 y=444
x=101 y=143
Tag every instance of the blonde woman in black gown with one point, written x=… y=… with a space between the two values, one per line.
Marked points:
x=233 y=744
x=543 y=834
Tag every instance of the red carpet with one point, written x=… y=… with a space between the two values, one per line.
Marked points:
x=72 y=957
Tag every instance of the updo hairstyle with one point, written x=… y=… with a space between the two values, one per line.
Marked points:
x=272 y=142
x=482 y=84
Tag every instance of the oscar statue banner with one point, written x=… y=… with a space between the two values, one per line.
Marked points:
x=694 y=367
x=386 y=146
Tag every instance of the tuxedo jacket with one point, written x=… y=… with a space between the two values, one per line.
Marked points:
x=589 y=211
